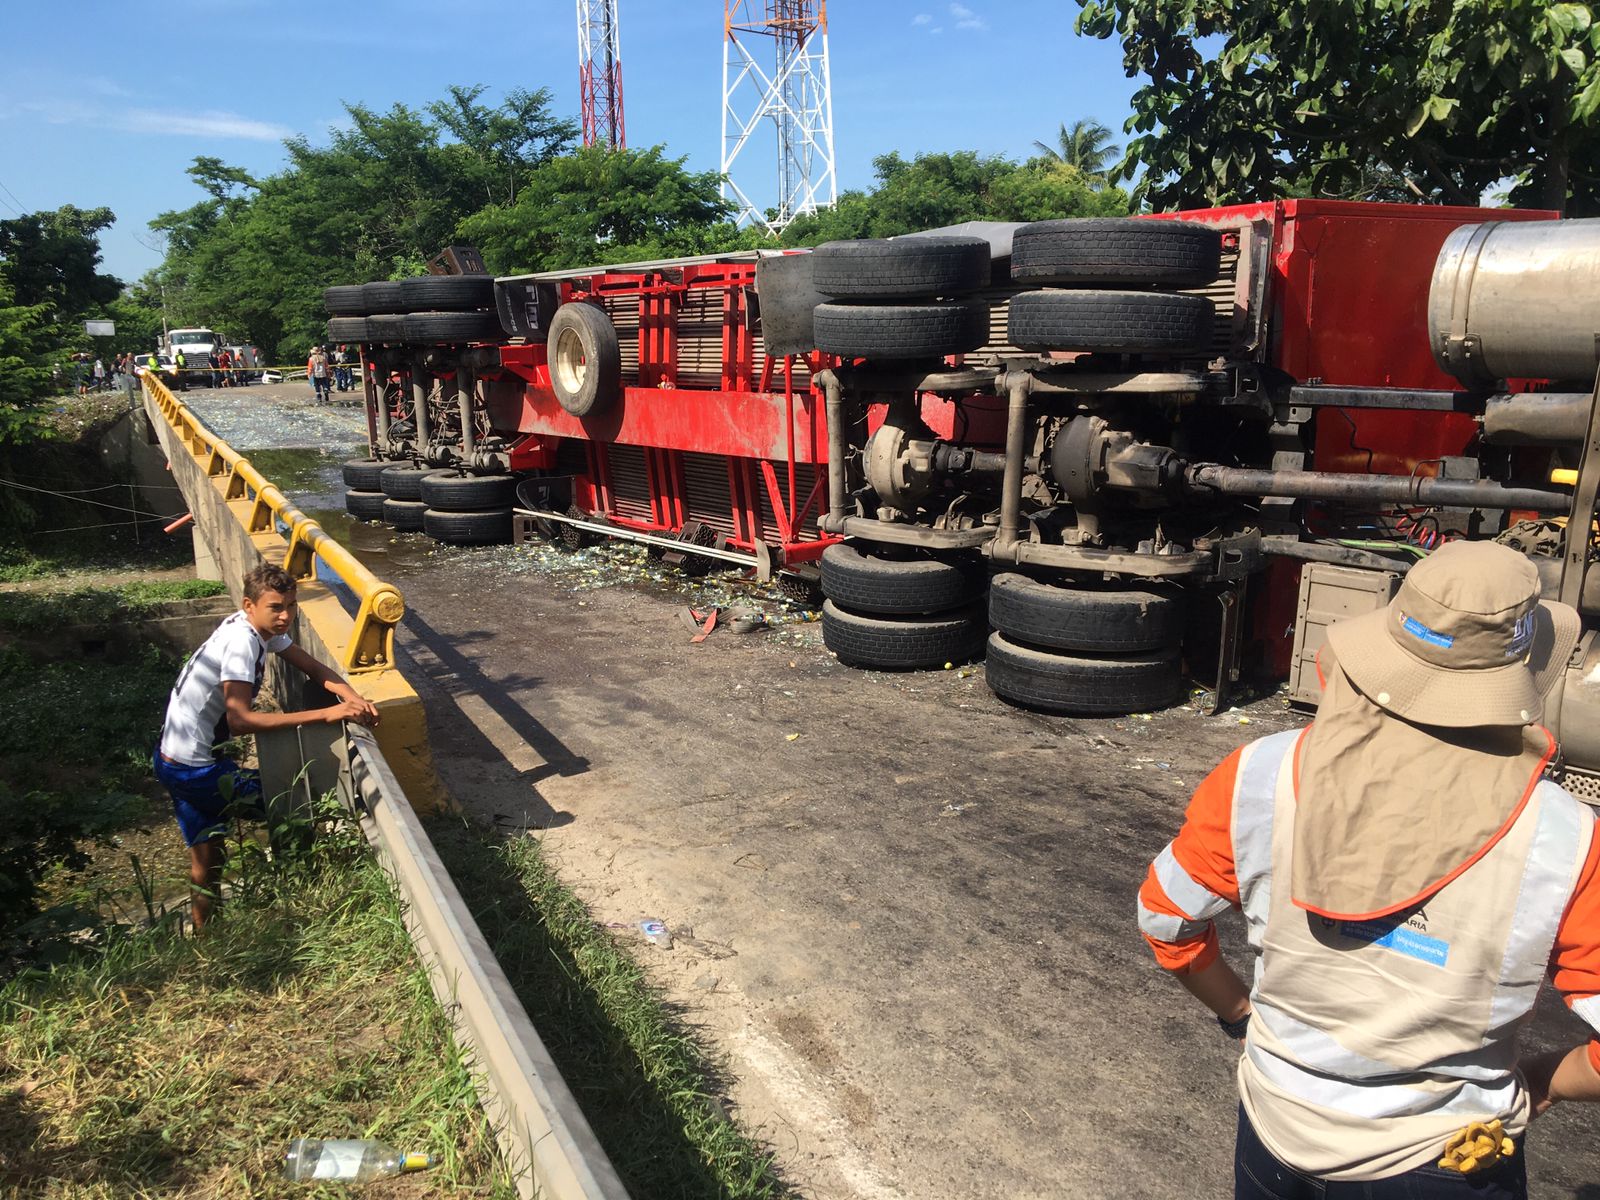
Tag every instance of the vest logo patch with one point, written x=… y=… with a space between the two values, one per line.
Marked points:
x=1400 y=938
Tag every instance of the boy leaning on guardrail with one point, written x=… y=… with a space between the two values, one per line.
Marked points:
x=211 y=702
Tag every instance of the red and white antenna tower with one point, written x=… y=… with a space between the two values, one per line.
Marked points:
x=793 y=89
x=600 y=74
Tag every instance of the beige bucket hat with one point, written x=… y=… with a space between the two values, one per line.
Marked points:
x=1466 y=641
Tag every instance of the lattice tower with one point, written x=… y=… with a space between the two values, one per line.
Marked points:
x=600 y=74
x=793 y=90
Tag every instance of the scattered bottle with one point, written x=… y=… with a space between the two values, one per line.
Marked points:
x=350 y=1160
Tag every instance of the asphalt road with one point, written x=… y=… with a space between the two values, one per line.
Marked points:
x=903 y=910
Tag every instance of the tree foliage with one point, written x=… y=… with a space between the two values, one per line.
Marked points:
x=1248 y=99
x=934 y=190
x=603 y=205
x=24 y=377
x=53 y=259
x=1085 y=145
x=253 y=257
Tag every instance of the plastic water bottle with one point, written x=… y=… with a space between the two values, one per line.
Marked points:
x=351 y=1160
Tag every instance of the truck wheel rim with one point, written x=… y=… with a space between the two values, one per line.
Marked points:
x=571 y=365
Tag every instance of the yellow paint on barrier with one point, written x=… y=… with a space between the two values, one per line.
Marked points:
x=361 y=648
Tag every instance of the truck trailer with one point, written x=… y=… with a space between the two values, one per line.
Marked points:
x=1107 y=456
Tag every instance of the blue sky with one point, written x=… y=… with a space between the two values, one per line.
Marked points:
x=108 y=103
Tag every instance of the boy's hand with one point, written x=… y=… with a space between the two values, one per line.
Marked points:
x=357 y=710
x=368 y=710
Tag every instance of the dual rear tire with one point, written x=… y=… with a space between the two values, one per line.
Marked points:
x=898 y=611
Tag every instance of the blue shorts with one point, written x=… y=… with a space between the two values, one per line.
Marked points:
x=202 y=803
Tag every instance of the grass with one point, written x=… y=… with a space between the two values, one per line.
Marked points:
x=648 y=1089
x=24 y=612
x=172 y=1066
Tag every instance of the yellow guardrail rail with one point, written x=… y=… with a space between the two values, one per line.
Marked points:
x=381 y=606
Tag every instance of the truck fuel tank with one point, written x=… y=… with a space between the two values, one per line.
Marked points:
x=1517 y=300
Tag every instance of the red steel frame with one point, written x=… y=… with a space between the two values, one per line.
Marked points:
x=757 y=420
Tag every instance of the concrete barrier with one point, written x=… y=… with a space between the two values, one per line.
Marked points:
x=242 y=520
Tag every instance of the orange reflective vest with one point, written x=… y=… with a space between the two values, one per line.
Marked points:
x=1372 y=1041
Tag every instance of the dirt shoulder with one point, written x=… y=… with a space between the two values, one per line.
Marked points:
x=908 y=928
x=912 y=924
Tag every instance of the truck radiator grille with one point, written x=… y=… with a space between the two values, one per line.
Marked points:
x=705 y=478
x=630 y=483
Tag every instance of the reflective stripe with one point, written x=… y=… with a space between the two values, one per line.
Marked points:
x=1547 y=882
x=1321 y=1052
x=1376 y=1101
x=1197 y=901
x=1255 y=798
x=1589 y=1009
x=1165 y=927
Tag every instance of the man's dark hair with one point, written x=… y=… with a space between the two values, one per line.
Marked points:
x=267 y=578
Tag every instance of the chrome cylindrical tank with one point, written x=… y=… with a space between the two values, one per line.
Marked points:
x=1517 y=299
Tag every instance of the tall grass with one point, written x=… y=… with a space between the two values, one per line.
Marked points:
x=165 y=1065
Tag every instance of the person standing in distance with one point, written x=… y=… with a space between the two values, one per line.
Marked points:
x=211 y=702
x=1408 y=878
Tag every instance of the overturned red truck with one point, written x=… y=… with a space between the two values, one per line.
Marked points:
x=1105 y=455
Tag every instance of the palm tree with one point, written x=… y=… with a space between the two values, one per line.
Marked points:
x=1086 y=145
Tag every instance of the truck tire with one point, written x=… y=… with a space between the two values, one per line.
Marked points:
x=1110 y=322
x=1116 y=250
x=425 y=328
x=387 y=327
x=345 y=300
x=404 y=515
x=447 y=293
x=1083 y=686
x=383 y=296
x=884 y=268
x=901 y=330
x=450 y=491
x=903 y=643
x=347 y=329
x=489 y=528
x=403 y=481
x=367 y=506
x=365 y=474
x=1121 y=620
x=870 y=583
x=585 y=360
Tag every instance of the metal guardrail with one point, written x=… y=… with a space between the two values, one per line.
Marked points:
x=546 y=1140
x=542 y=1133
x=380 y=605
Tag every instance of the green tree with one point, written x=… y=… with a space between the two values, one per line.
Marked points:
x=53 y=259
x=1248 y=99
x=252 y=258
x=601 y=205
x=1086 y=145
x=934 y=190
x=24 y=377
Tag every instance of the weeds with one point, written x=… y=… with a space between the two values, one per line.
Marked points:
x=647 y=1088
x=185 y=1065
x=30 y=612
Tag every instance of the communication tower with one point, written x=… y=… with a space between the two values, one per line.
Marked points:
x=600 y=74
x=792 y=89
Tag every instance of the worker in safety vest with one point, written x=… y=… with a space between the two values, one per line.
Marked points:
x=1407 y=879
x=179 y=362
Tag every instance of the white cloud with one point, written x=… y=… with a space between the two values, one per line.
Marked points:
x=921 y=19
x=204 y=124
x=967 y=19
x=211 y=124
